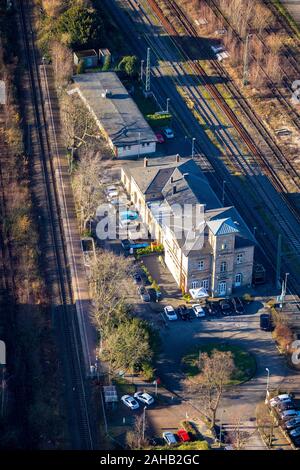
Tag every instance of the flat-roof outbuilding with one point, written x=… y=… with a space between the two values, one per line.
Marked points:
x=116 y=113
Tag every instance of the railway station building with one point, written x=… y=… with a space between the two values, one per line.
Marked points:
x=205 y=245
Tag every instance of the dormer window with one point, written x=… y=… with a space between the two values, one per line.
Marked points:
x=201 y=265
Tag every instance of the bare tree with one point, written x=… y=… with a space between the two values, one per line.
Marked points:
x=136 y=439
x=110 y=285
x=79 y=125
x=215 y=371
x=88 y=191
x=62 y=61
x=239 y=437
x=265 y=424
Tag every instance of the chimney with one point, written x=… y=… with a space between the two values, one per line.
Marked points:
x=174 y=189
x=171 y=179
x=145 y=162
x=177 y=158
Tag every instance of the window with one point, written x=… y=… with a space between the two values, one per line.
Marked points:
x=204 y=284
x=239 y=258
x=201 y=265
x=222 y=288
x=223 y=267
x=223 y=246
x=238 y=279
x=195 y=284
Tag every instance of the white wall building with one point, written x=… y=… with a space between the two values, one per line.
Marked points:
x=116 y=114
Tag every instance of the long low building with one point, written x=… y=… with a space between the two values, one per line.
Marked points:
x=116 y=114
x=206 y=245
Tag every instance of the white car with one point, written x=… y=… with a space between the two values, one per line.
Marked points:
x=144 y=397
x=130 y=402
x=284 y=398
x=198 y=310
x=289 y=414
x=217 y=49
x=170 y=313
x=169 y=438
x=169 y=133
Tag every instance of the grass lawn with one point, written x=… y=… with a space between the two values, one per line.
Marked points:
x=145 y=105
x=245 y=363
x=123 y=386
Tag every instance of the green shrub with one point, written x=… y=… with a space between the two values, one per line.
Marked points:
x=159 y=120
x=148 y=372
x=106 y=64
x=196 y=445
x=81 y=67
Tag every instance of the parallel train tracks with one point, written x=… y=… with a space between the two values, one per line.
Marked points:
x=77 y=393
x=284 y=223
x=214 y=92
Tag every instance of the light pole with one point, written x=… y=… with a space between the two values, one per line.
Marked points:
x=193 y=146
x=268 y=383
x=254 y=231
x=285 y=284
x=246 y=61
x=167 y=110
x=221 y=425
x=139 y=145
x=142 y=69
x=223 y=192
x=144 y=422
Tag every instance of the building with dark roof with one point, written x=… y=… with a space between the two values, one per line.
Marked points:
x=206 y=245
x=115 y=113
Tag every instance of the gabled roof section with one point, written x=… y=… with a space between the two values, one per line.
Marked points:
x=222 y=226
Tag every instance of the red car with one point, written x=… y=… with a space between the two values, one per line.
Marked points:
x=183 y=435
x=160 y=137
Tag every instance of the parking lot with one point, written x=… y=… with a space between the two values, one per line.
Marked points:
x=179 y=337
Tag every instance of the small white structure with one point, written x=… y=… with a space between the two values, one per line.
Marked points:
x=110 y=394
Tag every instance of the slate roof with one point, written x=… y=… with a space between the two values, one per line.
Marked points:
x=192 y=187
x=117 y=112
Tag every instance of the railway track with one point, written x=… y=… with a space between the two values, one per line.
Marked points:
x=219 y=175
x=272 y=86
x=280 y=161
x=77 y=390
x=215 y=94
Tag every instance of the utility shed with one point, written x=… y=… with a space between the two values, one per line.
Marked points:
x=116 y=114
x=88 y=57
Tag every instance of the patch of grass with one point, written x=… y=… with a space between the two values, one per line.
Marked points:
x=245 y=364
x=145 y=105
x=123 y=386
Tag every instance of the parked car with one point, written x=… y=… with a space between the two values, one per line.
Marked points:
x=183 y=312
x=168 y=132
x=144 y=397
x=226 y=307
x=266 y=322
x=287 y=405
x=144 y=294
x=183 y=435
x=295 y=433
x=130 y=402
x=238 y=305
x=160 y=137
x=137 y=278
x=198 y=310
x=170 y=438
x=217 y=49
x=284 y=397
x=170 y=313
x=289 y=414
x=291 y=423
x=213 y=308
